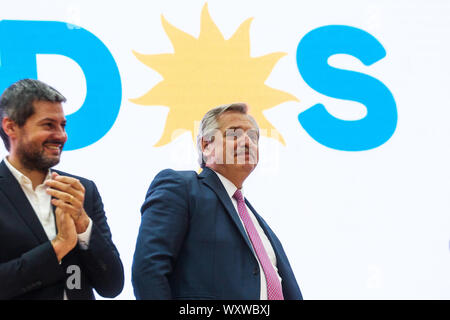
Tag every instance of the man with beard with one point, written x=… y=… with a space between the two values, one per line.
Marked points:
x=199 y=237
x=55 y=242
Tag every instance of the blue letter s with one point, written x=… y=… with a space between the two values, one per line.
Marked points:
x=381 y=120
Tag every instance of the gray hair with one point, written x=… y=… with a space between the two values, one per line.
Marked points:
x=209 y=124
x=17 y=100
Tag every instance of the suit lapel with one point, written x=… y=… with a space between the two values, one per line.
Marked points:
x=262 y=224
x=269 y=235
x=284 y=269
x=213 y=182
x=14 y=193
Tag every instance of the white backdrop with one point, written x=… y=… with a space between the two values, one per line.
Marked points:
x=355 y=225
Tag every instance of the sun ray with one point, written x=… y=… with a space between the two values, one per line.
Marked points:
x=240 y=40
x=265 y=64
x=156 y=96
x=174 y=127
x=208 y=29
x=182 y=42
x=268 y=128
x=208 y=71
x=161 y=63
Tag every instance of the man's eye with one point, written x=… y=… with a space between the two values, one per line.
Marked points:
x=253 y=135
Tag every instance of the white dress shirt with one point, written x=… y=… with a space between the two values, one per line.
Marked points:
x=231 y=189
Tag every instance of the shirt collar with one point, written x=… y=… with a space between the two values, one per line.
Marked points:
x=20 y=177
x=228 y=185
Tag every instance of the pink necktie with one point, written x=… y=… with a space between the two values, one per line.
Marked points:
x=274 y=290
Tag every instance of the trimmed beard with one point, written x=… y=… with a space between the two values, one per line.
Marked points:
x=34 y=159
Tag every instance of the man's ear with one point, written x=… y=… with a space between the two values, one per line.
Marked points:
x=207 y=147
x=10 y=127
x=205 y=144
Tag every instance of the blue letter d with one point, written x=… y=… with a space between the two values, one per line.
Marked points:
x=20 y=41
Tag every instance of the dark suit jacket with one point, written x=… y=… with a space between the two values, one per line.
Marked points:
x=192 y=245
x=29 y=268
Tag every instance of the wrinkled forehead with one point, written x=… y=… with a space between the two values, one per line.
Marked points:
x=235 y=119
x=47 y=109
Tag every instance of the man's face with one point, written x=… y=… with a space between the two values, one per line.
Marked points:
x=235 y=145
x=40 y=140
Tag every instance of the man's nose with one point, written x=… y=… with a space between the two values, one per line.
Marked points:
x=243 y=140
x=60 y=133
x=249 y=140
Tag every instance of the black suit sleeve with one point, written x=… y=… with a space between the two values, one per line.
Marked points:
x=101 y=260
x=163 y=227
x=33 y=270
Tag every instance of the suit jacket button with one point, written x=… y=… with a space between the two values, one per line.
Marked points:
x=255 y=271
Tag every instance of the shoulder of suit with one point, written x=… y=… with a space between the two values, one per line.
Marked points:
x=184 y=174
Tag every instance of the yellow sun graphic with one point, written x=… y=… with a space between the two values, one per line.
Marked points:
x=207 y=72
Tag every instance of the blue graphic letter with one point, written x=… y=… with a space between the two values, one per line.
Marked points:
x=20 y=41
x=381 y=120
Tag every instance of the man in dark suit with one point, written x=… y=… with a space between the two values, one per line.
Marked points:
x=199 y=238
x=55 y=242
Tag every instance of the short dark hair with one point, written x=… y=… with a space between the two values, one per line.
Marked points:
x=17 y=100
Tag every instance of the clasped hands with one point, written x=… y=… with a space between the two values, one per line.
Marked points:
x=71 y=218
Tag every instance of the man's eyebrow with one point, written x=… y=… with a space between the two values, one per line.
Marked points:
x=51 y=120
